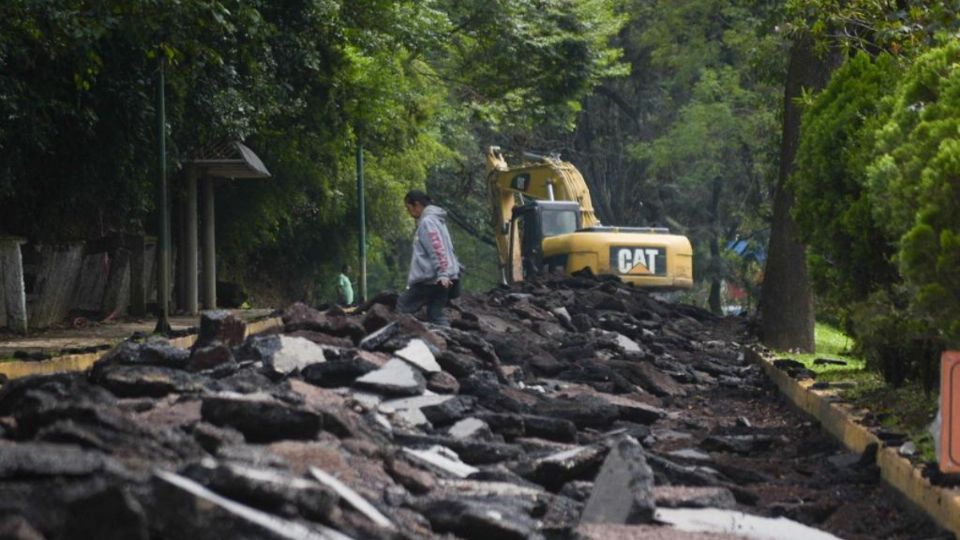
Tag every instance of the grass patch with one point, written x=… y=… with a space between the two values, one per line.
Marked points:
x=831 y=344
x=908 y=409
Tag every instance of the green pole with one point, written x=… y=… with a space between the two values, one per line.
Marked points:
x=163 y=259
x=363 y=225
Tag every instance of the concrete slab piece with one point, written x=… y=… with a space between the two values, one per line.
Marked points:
x=690 y=453
x=443 y=460
x=417 y=402
x=733 y=522
x=609 y=531
x=694 y=497
x=419 y=354
x=396 y=377
x=469 y=428
x=293 y=353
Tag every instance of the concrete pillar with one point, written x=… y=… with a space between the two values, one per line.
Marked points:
x=138 y=289
x=13 y=309
x=117 y=289
x=180 y=272
x=190 y=245
x=209 y=247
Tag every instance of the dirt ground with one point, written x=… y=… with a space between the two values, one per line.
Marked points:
x=796 y=477
x=81 y=333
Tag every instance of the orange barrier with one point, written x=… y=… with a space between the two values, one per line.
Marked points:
x=950 y=412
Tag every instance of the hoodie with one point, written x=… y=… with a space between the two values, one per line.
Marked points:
x=433 y=256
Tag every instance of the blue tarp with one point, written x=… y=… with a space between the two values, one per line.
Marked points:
x=747 y=250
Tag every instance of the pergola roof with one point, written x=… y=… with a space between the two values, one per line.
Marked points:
x=230 y=160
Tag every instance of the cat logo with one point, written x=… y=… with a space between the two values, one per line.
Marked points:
x=639 y=260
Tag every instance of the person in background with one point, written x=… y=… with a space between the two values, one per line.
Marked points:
x=344 y=287
x=434 y=269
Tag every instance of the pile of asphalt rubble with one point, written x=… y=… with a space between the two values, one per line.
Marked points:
x=535 y=415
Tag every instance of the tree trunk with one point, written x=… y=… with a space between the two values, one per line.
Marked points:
x=786 y=299
x=716 y=263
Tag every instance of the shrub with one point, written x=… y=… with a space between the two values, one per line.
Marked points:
x=915 y=185
x=894 y=341
x=849 y=252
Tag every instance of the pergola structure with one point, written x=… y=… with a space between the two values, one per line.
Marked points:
x=229 y=160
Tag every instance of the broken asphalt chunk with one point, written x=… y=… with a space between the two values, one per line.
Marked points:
x=186 y=509
x=260 y=417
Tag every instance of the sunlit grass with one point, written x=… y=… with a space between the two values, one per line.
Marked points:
x=831 y=344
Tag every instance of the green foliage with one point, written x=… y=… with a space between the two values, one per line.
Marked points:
x=716 y=66
x=831 y=343
x=849 y=251
x=302 y=82
x=524 y=64
x=914 y=184
x=873 y=183
x=897 y=342
x=906 y=27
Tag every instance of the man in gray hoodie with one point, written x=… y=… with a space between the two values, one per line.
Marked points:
x=434 y=269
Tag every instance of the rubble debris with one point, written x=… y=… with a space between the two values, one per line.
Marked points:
x=554 y=470
x=260 y=417
x=443 y=459
x=733 y=522
x=442 y=382
x=396 y=377
x=183 y=517
x=220 y=326
x=567 y=407
x=480 y=519
x=417 y=353
x=470 y=428
x=693 y=497
x=355 y=499
x=623 y=491
x=282 y=355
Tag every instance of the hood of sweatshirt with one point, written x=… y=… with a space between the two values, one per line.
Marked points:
x=434 y=211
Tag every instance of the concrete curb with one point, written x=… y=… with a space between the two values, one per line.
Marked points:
x=941 y=504
x=81 y=362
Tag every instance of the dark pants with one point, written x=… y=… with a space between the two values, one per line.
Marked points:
x=425 y=294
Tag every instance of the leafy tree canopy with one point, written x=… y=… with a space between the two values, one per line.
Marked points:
x=302 y=82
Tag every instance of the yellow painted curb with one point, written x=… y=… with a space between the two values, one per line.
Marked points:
x=81 y=362
x=941 y=504
x=70 y=362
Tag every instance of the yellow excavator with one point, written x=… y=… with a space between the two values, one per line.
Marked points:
x=544 y=221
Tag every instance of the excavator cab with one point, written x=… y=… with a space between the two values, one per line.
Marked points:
x=537 y=220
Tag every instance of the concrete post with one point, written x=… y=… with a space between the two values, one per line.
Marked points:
x=180 y=269
x=209 y=247
x=138 y=289
x=190 y=246
x=12 y=291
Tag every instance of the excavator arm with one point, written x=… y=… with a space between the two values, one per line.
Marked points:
x=547 y=179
